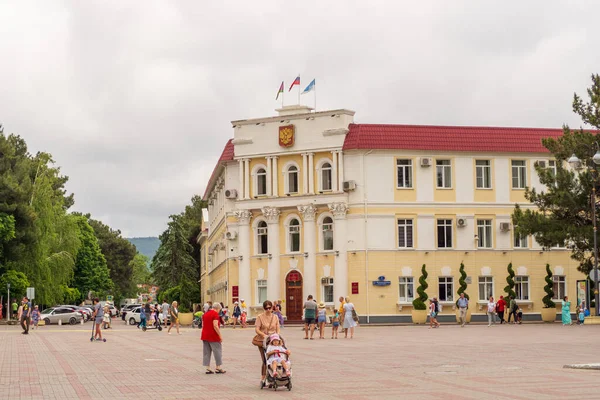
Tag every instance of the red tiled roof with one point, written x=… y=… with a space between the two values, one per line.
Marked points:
x=226 y=155
x=448 y=138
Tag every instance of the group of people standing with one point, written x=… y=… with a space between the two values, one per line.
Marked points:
x=315 y=316
x=493 y=309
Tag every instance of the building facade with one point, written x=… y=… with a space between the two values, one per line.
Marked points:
x=312 y=203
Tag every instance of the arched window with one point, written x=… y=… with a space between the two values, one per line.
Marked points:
x=262 y=239
x=327 y=228
x=261 y=182
x=325 y=177
x=292 y=179
x=294 y=236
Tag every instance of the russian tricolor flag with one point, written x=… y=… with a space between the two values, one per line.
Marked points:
x=296 y=82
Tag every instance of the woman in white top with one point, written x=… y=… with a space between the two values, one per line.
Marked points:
x=349 y=322
x=491 y=311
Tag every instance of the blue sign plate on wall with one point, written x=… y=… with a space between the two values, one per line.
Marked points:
x=381 y=282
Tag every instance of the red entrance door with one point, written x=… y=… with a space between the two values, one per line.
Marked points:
x=293 y=296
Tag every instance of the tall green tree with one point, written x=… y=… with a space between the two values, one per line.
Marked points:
x=140 y=271
x=563 y=210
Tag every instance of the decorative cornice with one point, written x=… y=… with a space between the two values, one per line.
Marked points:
x=243 y=216
x=239 y=141
x=308 y=212
x=333 y=132
x=338 y=210
x=271 y=214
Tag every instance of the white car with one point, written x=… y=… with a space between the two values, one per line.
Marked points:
x=133 y=317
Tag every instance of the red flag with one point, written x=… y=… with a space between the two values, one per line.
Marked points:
x=296 y=82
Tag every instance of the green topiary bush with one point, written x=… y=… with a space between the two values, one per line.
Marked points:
x=548 y=303
x=509 y=289
x=462 y=282
x=419 y=302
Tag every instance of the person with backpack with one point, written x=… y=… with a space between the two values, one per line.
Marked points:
x=512 y=310
x=433 y=311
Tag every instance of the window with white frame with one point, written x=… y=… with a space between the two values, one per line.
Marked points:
x=261 y=182
x=404 y=176
x=486 y=287
x=294 y=236
x=552 y=167
x=292 y=179
x=406 y=289
x=559 y=287
x=261 y=290
x=443 y=169
x=520 y=241
x=405 y=233
x=484 y=233
x=522 y=287
x=327 y=229
x=327 y=285
x=444 y=233
x=519 y=174
x=446 y=288
x=326 y=177
x=262 y=239
x=483 y=172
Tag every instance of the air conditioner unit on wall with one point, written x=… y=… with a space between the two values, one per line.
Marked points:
x=461 y=222
x=230 y=235
x=349 y=185
x=505 y=226
x=426 y=161
x=231 y=194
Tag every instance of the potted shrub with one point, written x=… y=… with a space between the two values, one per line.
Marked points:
x=419 y=311
x=549 y=310
x=509 y=289
x=461 y=289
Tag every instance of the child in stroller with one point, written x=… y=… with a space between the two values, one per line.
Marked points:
x=278 y=363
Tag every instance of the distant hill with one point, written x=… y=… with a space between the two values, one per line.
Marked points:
x=146 y=245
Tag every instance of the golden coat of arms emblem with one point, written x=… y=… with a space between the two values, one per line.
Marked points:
x=286 y=135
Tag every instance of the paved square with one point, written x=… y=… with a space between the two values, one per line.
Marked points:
x=413 y=362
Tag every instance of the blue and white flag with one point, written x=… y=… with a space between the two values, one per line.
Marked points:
x=310 y=87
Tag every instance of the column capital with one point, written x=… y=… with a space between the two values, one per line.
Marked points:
x=243 y=216
x=308 y=212
x=339 y=210
x=271 y=214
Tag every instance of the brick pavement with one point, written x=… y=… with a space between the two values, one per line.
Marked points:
x=412 y=362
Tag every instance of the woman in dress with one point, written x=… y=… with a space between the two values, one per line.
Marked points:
x=237 y=312
x=174 y=314
x=266 y=324
x=566 y=311
x=349 y=322
x=278 y=313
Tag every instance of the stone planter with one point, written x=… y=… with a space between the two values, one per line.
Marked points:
x=185 y=318
x=549 y=314
x=419 y=316
x=458 y=315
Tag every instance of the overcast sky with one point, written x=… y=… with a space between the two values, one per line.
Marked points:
x=134 y=99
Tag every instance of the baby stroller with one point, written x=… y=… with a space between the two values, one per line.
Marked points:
x=271 y=381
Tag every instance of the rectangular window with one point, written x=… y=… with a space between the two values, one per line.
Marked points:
x=483 y=170
x=522 y=287
x=444 y=233
x=294 y=238
x=443 y=170
x=406 y=290
x=486 y=287
x=520 y=242
x=327 y=234
x=446 y=288
x=404 y=168
x=552 y=167
x=519 y=174
x=328 y=290
x=261 y=289
x=484 y=233
x=405 y=233
x=559 y=287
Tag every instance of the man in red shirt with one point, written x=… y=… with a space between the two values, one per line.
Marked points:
x=500 y=306
x=211 y=339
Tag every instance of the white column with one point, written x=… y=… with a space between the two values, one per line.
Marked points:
x=275 y=179
x=340 y=242
x=334 y=178
x=273 y=269
x=311 y=173
x=269 y=177
x=304 y=173
x=247 y=178
x=310 y=246
x=340 y=170
x=241 y=178
x=245 y=284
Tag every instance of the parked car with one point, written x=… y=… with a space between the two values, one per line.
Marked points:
x=133 y=317
x=126 y=308
x=64 y=314
x=113 y=311
x=86 y=312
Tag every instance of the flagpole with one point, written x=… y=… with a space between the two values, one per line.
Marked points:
x=282 y=93
x=298 y=89
x=315 y=88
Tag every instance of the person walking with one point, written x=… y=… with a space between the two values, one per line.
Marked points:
x=463 y=306
x=433 y=311
x=512 y=310
x=143 y=316
x=212 y=340
x=266 y=324
x=237 y=313
x=25 y=315
x=491 y=311
x=310 y=314
x=321 y=319
x=35 y=317
x=98 y=315
x=500 y=306
x=348 y=318
x=566 y=311
x=278 y=312
x=174 y=313
x=15 y=309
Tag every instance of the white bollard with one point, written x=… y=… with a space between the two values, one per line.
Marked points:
x=81 y=321
x=59 y=322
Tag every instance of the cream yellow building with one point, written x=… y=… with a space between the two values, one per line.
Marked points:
x=311 y=203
